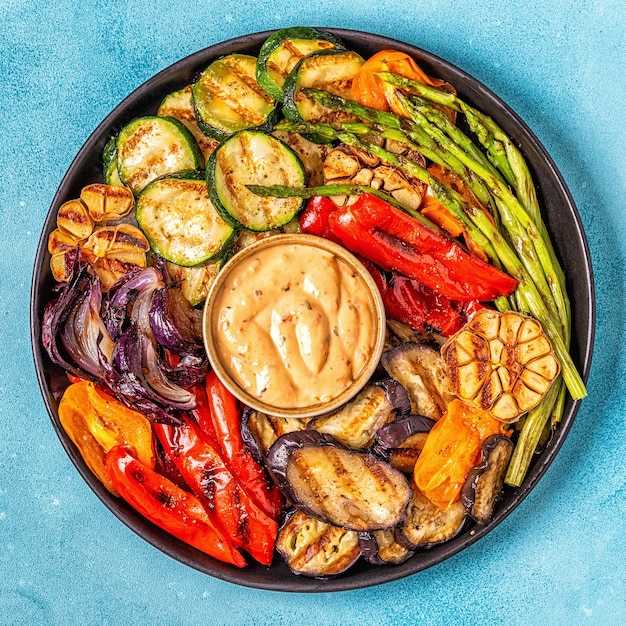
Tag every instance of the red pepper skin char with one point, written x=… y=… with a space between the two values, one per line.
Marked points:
x=203 y=469
x=414 y=304
x=314 y=220
x=169 y=507
x=395 y=241
x=201 y=414
x=226 y=418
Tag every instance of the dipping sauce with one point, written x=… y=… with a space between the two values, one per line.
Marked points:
x=295 y=322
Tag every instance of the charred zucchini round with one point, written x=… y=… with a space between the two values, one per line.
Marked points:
x=330 y=70
x=281 y=52
x=254 y=158
x=150 y=147
x=180 y=222
x=227 y=98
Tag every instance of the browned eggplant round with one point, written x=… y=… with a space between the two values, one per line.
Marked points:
x=485 y=482
x=354 y=490
x=260 y=430
x=427 y=525
x=422 y=372
x=312 y=547
x=380 y=547
x=358 y=421
x=401 y=441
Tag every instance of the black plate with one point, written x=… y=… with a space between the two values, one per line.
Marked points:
x=563 y=222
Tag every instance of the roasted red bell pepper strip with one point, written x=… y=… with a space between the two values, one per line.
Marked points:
x=203 y=469
x=395 y=241
x=314 y=218
x=226 y=418
x=416 y=305
x=168 y=506
x=166 y=467
x=202 y=412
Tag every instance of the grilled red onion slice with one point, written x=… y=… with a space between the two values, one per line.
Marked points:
x=175 y=323
x=123 y=293
x=84 y=333
x=190 y=370
x=73 y=321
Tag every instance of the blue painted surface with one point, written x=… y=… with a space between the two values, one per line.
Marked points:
x=559 y=558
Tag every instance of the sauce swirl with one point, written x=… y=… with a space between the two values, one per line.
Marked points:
x=294 y=324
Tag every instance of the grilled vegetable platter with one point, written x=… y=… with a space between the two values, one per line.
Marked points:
x=449 y=201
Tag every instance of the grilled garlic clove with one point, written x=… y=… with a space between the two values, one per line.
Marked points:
x=73 y=218
x=106 y=202
x=501 y=362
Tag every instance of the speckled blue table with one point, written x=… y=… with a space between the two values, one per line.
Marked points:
x=559 y=558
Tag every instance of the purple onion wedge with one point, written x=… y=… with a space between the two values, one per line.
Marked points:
x=72 y=331
x=176 y=325
x=484 y=483
x=345 y=488
x=123 y=293
x=134 y=375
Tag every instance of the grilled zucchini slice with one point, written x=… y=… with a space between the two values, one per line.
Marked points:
x=332 y=71
x=180 y=222
x=109 y=164
x=228 y=99
x=254 y=158
x=196 y=281
x=281 y=52
x=150 y=147
x=179 y=104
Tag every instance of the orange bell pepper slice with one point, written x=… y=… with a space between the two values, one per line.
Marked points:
x=96 y=422
x=452 y=448
x=438 y=214
x=371 y=91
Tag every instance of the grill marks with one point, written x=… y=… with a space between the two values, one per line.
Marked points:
x=227 y=97
x=342 y=487
x=151 y=146
x=314 y=548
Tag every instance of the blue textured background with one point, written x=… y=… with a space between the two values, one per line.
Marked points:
x=559 y=558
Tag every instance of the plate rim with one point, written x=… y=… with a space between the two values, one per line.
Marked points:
x=255 y=576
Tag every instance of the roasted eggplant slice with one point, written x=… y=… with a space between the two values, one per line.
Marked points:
x=401 y=441
x=343 y=487
x=484 y=483
x=260 y=430
x=357 y=422
x=419 y=368
x=380 y=547
x=427 y=525
x=402 y=333
x=314 y=548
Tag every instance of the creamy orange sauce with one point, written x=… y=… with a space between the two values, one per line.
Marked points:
x=294 y=325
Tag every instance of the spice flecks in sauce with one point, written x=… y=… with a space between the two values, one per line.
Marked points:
x=294 y=325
